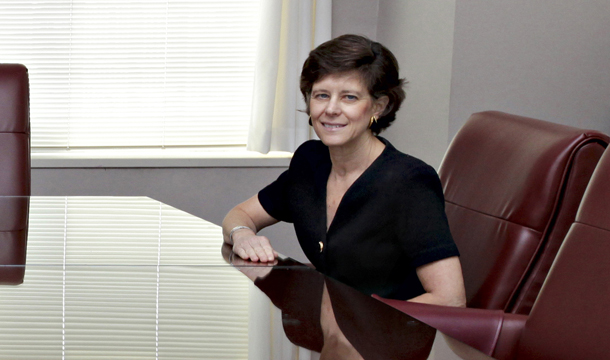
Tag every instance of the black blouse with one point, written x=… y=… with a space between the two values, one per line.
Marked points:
x=389 y=222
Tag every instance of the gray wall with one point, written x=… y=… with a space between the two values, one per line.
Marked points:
x=355 y=17
x=547 y=59
x=420 y=34
x=205 y=192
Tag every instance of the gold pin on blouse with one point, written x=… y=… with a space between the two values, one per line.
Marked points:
x=321 y=246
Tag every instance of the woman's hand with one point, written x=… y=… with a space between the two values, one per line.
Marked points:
x=239 y=229
x=249 y=246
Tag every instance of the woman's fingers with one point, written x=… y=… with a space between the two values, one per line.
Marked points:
x=268 y=253
x=254 y=248
x=263 y=250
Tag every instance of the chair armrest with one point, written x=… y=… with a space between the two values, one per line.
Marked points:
x=512 y=328
x=479 y=328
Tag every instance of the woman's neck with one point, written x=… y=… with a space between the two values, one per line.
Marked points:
x=349 y=160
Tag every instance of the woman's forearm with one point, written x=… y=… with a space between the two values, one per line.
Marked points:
x=235 y=219
x=430 y=298
x=443 y=282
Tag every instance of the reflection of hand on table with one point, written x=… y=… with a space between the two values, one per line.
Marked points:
x=252 y=269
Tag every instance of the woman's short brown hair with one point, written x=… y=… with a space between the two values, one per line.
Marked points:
x=374 y=62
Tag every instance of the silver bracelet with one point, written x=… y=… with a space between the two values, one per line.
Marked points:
x=238 y=228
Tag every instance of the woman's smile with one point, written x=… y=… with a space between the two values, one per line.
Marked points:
x=333 y=126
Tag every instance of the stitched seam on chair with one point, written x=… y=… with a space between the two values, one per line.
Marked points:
x=592 y=226
x=560 y=195
x=565 y=178
x=495 y=217
x=526 y=270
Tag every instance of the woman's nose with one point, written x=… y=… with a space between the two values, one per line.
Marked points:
x=333 y=107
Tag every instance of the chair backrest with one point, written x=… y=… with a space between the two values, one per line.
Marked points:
x=512 y=188
x=14 y=212
x=571 y=318
x=15 y=178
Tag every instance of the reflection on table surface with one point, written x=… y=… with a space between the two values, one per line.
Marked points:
x=130 y=277
x=371 y=329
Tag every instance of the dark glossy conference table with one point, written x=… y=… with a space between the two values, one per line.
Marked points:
x=133 y=278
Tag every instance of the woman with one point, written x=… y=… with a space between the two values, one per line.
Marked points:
x=363 y=212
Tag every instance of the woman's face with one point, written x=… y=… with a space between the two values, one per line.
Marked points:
x=341 y=108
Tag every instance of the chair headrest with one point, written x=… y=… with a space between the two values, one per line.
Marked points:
x=14 y=99
x=510 y=166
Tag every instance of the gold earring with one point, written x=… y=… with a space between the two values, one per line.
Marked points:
x=373 y=120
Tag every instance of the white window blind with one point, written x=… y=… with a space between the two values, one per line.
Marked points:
x=134 y=73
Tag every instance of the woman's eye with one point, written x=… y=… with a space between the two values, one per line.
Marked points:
x=321 y=96
x=351 y=97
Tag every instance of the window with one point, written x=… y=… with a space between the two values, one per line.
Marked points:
x=134 y=73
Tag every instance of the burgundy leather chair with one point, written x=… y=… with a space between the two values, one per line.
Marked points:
x=14 y=130
x=512 y=188
x=14 y=171
x=570 y=318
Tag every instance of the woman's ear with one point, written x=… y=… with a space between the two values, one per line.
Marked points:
x=380 y=105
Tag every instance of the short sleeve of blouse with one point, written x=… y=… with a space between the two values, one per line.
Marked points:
x=274 y=198
x=423 y=225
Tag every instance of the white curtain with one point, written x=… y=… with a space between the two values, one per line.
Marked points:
x=289 y=30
